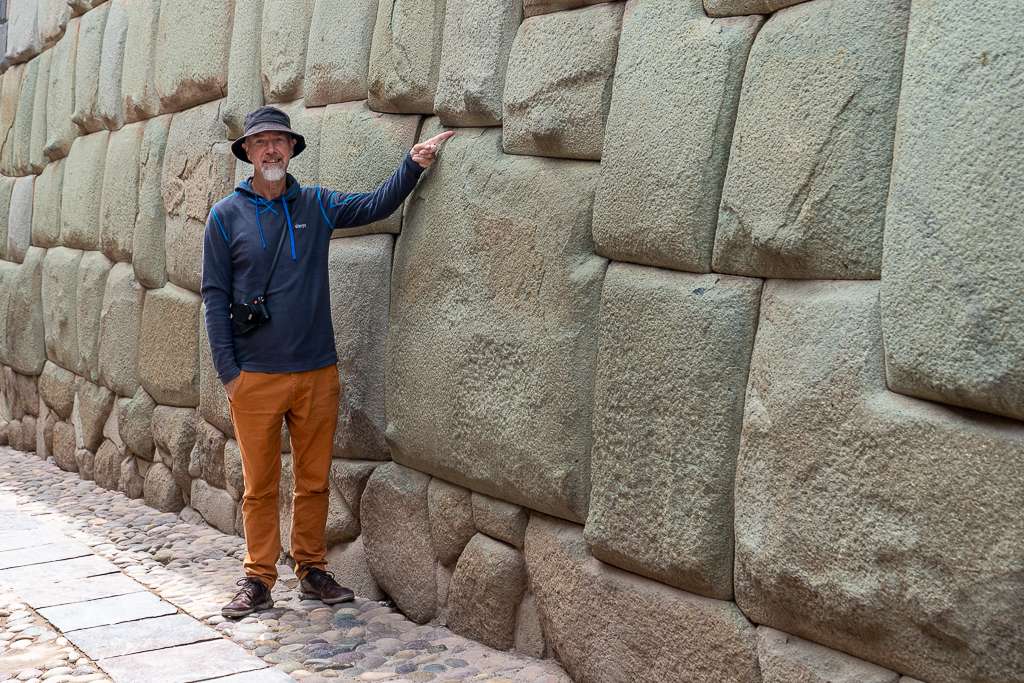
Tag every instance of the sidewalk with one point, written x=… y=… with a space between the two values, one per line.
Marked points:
x=98 y=587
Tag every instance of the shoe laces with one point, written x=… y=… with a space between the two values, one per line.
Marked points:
x=316 y=575
x=249 y=588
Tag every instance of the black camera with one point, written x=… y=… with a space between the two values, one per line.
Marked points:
x=246 y=317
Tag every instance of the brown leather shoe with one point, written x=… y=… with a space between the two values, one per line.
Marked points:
x=253 y=595
x=320 y=585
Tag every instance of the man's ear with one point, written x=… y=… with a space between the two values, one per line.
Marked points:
x=294 y=142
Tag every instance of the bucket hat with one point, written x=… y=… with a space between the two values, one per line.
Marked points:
x=267 y=119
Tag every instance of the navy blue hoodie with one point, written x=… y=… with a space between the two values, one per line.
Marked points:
x=241 y=234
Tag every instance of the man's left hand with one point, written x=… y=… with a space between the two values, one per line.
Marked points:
x=424 y=153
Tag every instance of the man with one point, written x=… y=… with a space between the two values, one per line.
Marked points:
x=271 y=236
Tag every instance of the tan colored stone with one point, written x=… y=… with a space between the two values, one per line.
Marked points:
x=19 y=220
x=160 y=490
x=57 y=387
x=485 y=591
x=10 y=95
x=64 y=447
x=87 y=69
x=53 y=18
x=111 y=428
x=82 y=191
x=529 y=638
x=349 y=478
x=44 y=432
x=184 y=239
x=82 y=6
x=46 y=203
x=25 y=347
x=215 y=505
x=244 y=87
x=135 y=424
x=22 y=30
x=119 y=203
x=338 y=55
x=8 y=276
x=21 y=154
x=192 y=42
x=6 y=189
x=61 y=130
x=198 y=165
x=347 y=561
x=120 y=325
x=59 y=293
x=92 y=406
x=284 y=34
x=405 y=55
x=108 y=465
x=788 y=659
x=109 y=103
x=37 y=142
x=498 y=519
x=451 y=520
x=532 y=8
x=131 y=480
x=210 y=443
x=140 y=100
x=728 y=8
x=234 y=482
x=168 y=350
x=91 y=285
x=148 y=241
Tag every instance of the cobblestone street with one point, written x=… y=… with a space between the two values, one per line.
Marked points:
x=95 y=586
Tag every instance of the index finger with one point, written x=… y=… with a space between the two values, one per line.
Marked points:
x=440 y=137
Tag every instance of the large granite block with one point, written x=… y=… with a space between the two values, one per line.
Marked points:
x=673 y=105
x=53 y=18
x=26 y=352
x=87 y=69
x=215 y=505
x=860 y=511
x=728 y=8
x=406 y=55
x=160 y=491
x=532 y=8
x=19 y=220
x=59 y=291
x=338 y=55
x=119 y=201
x=244 y=87
x=135 y=424
x=213 y=400
x=57 y=388
x=495 y=282
x=92 y=407
x=197 y=166
x=952 y=292
x=92 y=284
x=168 y=348
x=120 y=326
x=148 y=242
x=139 y=96
x=283 y=35
x=6 y=190
x=82 y=192
x=37 y=142
x=787 y=659
x=184 y=240
x=8 y=277
x=193 y=40
x=10 y=94
x=451 y=520
x=21 y=141
x=109 y=104
x=22 y=30
x=61 y=130
x=558 y=85
x=485 y=591
x=46 y=204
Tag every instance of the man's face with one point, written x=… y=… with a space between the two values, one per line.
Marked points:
x=269 y=153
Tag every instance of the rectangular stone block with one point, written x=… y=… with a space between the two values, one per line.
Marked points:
x=119 y=199
x=8 y=275
x=39 y=595
x=338 y=55
x=120 y=326
x=61 y=130
x=53 y=18
x=37 y=141
x=82 y=6
x=244 y=87
x=143 y=635
x=198 y=165
x=60 y=307
x=168 y=351
x=58 y=571
x=148 y=257
x=213 y=401
x=46 y=204
x=82 y=192
x=199 y=661
x=6 y=190
x=10 y=94
x=22 y=30
x=109 y=104
x=91 y=283
x=284 y=32
x=729 y=8
x=508 y=318
x=140 y=100
x=87 y=69
x=115 y=610
x=787 y=659
x=666 y=146
x=672 y=369
x=406 y=55
x=21 y=150
x=184 y=240
x=193 y=41
x=532 y=8
x=40 y=553
x=19 y=220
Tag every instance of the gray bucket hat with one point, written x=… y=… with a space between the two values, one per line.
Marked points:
x=267 y=119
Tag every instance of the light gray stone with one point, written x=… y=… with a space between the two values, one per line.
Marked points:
x=199 y=661
x=210 y=443
x=111 y=428
x=851 y=515
x=25 y=348
x=44 y=432
x=22 y=31
x=135 y=424
x=57 y=388
x=109 y=103
x=558 y=85
x=26 y=390
x=91 y=285
x=198 y=167
x=10 y=95
x=119 y=203
x=498 y=519
x=46 y=205
x=808 y=173
x=213 y=400
x=474 y=56
x=148 y=242
x=160 y=490
x=284 y=32
x=665 y=156
x=22 y=132
x=349 y=478
x=788 y=659
x=61 y=130
x=234 y=482
x=610 y=625
x=168 y=349
x=120 y=325
x=82 y=6
x=108 y=465
x=8 y=276
x=141 y=635
x=406 y=55
x=451 y=520
x=37 y=142
x=140 y=100
x=27 y=434
x=6 y=190
x=86 y=463
x=40 y=595
x=53 y=18
x=59 y=293
x=122 y=608
x=532 y=8
x=396 y=534
x=132 y=480
x=244 y=87
x=347 y=561
x=385 y=141
x=64 y=447
x=508 y=321
x=174 y=430
x=193 y=42
x=82 y=191
x=19 y=221
x=87 y=69
x=529 y=638
x=952 y=295
x=338 y=54
x=184 y=239
x=215 y=505
x=485 y=592
x=728 y=8
x=91 y=407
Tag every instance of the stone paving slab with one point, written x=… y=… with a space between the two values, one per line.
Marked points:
x=47 y=552
x=95 y=587
x=62 y=570
x=106 y=611
x=261 y=676
x=28 y=538
x=116 y=640
x=184 y=664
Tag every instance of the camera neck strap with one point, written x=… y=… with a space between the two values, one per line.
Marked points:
x=273 y=264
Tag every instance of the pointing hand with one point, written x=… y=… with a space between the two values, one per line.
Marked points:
x=424 y=153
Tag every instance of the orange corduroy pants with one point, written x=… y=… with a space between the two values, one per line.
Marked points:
x=308 y=402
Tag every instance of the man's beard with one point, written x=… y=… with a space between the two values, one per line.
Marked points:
x=273 y=173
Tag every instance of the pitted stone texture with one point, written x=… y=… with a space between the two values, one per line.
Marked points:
x=21 y=135
x=284 y=33
x=184 y=238
x=952 y=295
x=350 y=477
x=498 y=519
x=57 y=387
x=347 y=561
x=850 y=509
x=91 y=408
x=485 y=591
x=53 y=18
x=108 y=465
x=808 y=174
x=244 y=89
x=59 y=293
x=37 y=142
x=174 y=431
x=474 y=56
x=64 y=447
x=91 y=285
x=138 y=91
x=385 y=140
x=728 y=8
x=215 y=505
x=529 y=631
x=396 y=533
x=198 y=167
x=46 y=205
x=160 y=490
x=558 y=86
x=788 y=659
x=19 y=221
x=193 y=40
x=148 y=248
x=82 y=192
x=135 y=423
x=210 y=444
x=671 y=376
x=6 y=190
x=609 y=625
x=120 y=326
x=87 y=69
x=23 y=31
x=25 y=348
x=60 y=98
x=10 y=95
x=234 y=482
x=25 y=393
x=405 y=56
x=657 y=202
x=168 y=350
x=81 y=6
x=451 y=520
x=8 y=276
x=44 y=432
x=109 y=103
x=360 y=274
x=307 y=123
x=132 y=480
x=86 y=462
x=213 y=400
x=532 y=8
x=111 y=428
x=338 y=55
x=509 y=323
x=119 y=203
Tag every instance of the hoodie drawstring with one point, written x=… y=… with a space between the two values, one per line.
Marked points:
x=291 y=229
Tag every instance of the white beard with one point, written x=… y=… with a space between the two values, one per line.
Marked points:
x=273 y=173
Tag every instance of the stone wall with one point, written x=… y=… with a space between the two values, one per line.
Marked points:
x=699 y=355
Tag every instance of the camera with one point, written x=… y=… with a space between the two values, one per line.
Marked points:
x=246 y=317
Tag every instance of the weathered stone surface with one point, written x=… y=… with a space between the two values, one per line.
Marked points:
x=485 y=591
x=244 y=89
x=120 y=325
x=210 y=443
x=168 y=349
x=108 y=465
x=6 y=190
x=338 y=55
x=81 y=6
x=138 y=90
x=451 y=520
x=532 y=8
x=119 y=204
x=19 y=221
x=348 y=563
x=148 y=255
x=44 y=431
x=160 y=491
x=59 y=293
x=808 y=174
x=184 y=240
x=671 y=375
x=10 y=95
x=213 y=400
x=174 y=430
x=26 y=392
x=529 y=638
x=234 y=482
x=25 y=348
x=198 y=167
x=405 y=55
x=60 y=98
x=193 y=42
x=283 y=36
x=82 y=191
x=22 y=132
x=23 y=31
x=91 y=285
x=474 y=56
x=91 y=407
x=500 y=520
x=558 y=85
x=385 y=140
x=396 y=533
x=109 y=103
x=37 y=141
x=728 y=8
x=132 y=480
x=509 y=323
x=609 y=625
x=952 y=295
x=215 y=505
x=87 y=69
x=349 y=477
x=86 y=463
x=64 y=447
x=46 y=205
x=788 y=659
x=657 y=202
x=135 y=424
x=27 y=435
x=850 y=512
x=53 y=18
x=111 y=428
x=57 y=388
